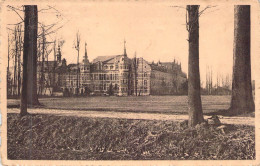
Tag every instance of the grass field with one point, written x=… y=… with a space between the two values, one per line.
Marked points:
x=51 y=137
x=159 y=104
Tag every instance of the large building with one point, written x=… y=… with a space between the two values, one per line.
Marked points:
x=167 y=78
x=116 y=75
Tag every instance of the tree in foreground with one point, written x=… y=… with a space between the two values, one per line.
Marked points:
x=77 y=47
x=242 y=97
x=194 y=98
x=29 y=84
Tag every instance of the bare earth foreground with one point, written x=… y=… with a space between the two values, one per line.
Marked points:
x=51 y=137
x=126 y=128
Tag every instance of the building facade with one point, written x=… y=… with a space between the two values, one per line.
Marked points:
x=114 y=75
x=167 y=78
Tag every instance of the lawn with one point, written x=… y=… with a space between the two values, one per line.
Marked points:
x=158 y=104
x=42 y=137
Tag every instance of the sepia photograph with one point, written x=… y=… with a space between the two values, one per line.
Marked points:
x=129 y=81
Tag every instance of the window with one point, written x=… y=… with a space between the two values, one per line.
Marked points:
x=111 y=67
x=145 y=82
x=96 y=88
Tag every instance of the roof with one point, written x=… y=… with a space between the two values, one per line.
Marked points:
x=159 y=68
x=72 y=67
x=104 y=58
x=61 y=69
x=168 y=67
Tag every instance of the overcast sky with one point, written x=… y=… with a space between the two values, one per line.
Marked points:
x=154 y=30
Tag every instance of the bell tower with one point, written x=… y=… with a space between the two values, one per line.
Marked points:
x=59 y=55
x=125 y=48
x=85 y=60
x=123 y=74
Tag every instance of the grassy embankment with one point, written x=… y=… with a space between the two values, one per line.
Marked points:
x=70 y=138
x=145 y=104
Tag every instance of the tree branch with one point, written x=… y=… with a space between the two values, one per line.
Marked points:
x=180 y=7
x=14 y=9
x=16 y=23
x=207 y=7
x=45 y=9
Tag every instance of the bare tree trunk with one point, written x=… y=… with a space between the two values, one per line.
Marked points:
x=15 y=61
x=78 y=73
x=194 y=98
x=19 y=59
x=8 y=70
x=135 y=66
x=29 y=85
x=42 y=79
x=242 y=98
x=19 y=76
x=77 y=47
x=54 y=67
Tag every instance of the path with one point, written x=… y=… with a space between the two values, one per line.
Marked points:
x=131 y=115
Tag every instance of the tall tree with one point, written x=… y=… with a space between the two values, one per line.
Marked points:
x=242 y=97
x=8 y=75
x=135 y=74
x=77 y=47
x=194 y=98
x=209 y=80
x=29 y=84
x=19 y=58
x=15 y=61
x=42 y=77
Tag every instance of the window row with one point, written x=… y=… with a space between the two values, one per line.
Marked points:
x=105 y=87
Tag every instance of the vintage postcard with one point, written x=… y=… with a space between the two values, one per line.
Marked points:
x=130 y=82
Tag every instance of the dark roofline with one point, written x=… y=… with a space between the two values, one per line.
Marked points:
x=111 y=57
